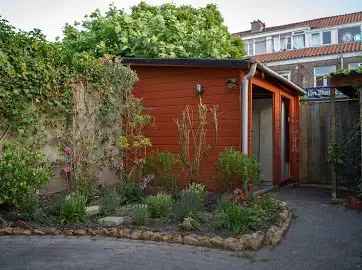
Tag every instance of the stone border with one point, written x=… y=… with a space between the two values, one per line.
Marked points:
x=253 y=241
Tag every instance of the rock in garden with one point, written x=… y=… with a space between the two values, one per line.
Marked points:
x=92 y=210
x=217 y=241
x=191 y=240
x=232 y=244
x=113 y=221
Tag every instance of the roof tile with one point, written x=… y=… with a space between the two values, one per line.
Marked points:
x=310 y=52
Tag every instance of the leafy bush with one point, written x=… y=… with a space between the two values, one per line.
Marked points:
x=163 y=166
x=256 y=215
x=139 y=213
x=190 y=224
x=22 y=172
x=159 y=205
x=234 y=166
x=198 y=189
x=72 y=210
x=111 y=200
x=130 y=192
x=189 y=204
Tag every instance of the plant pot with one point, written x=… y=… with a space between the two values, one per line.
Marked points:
x=354 y=202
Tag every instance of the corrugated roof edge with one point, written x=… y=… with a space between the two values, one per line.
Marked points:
x=211 y=62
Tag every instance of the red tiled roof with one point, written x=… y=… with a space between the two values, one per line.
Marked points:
x=310 y=52
x=315 y=23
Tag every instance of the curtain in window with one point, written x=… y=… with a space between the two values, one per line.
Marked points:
x=298 y=42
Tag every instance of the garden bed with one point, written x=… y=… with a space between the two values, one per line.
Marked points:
x=253 y=235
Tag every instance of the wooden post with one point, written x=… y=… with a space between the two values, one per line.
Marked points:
x=360 y=121
x=333 y=141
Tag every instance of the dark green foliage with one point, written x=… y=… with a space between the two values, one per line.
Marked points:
x=155 y=31
x=130 y=192
x=72 y=209
x=189 y=204
x=234 y=218
x=22 y=172
x=111 y=200
x=235 y=167
x=159 y=205
x=163 y=166
x=139 y=214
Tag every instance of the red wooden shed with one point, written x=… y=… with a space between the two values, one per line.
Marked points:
x=259 y=110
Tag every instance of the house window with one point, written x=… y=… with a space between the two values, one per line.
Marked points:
x=327 y=37
x=260 y=46
x=250 y=47
x=285 y=42
x=321 y=75
x=286 y=74
x=298 y=40
x=316 y=40
x=349 y=34
x=354 y=65
x=276 y=43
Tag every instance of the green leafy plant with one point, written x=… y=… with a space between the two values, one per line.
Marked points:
x=111 y=200
x=139 y=214
x=130 y=192
x=257 y=214
x=236 y=168
x=155 y=31
x=189 y=224
x=159 y=205
x=163 y=167
x=198 y=189
x=189 y=203
x=22 y=172
x=72 y=209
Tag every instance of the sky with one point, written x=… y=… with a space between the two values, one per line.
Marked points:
x=51 y=15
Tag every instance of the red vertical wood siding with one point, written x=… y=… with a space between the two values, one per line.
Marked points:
x=167 y=90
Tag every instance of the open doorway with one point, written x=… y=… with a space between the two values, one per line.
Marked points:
x=285 y=139
x=263 y=133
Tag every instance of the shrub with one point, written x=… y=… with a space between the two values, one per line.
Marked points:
x=139 y=214
x=234 y=166
x=159 y=205
x=190 y=224
x=188 y=204
x=110 y=202
x=234 y=218
x=22 y=172
x=72 y=210
x=163 y=166
x=130 y=192
x=198 y=189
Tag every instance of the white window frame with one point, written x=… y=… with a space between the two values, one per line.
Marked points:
x=311 y=39
x=286 y=74
x=298 y=33
x=325 y=78
x=326 y=31
x=350 y=65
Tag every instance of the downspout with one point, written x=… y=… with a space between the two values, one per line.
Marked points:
x=244 y=102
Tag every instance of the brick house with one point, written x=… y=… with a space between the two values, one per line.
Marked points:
x=305 y=52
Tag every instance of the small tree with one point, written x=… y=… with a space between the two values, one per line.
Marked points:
x=192 y=132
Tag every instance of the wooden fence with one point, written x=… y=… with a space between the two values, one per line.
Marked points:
x=315 y=132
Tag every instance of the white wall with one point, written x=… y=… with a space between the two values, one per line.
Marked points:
x=263 y=136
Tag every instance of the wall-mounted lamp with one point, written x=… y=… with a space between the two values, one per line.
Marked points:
x=199 y=89
x=231 y=83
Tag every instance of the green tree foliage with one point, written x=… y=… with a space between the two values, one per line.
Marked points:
x=155 y=31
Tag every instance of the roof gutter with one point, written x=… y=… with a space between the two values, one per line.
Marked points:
x=244 y=110
x=277 y=76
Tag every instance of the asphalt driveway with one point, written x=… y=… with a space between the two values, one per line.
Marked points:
x=323 y=236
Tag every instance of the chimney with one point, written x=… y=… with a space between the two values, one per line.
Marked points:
x=257 y=26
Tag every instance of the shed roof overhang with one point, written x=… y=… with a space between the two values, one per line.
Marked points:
x=243 y=64
x=348 y=84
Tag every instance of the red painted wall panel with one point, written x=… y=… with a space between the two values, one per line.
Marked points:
x=167 y=90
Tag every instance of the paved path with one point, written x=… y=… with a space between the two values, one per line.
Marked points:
x=323 y=236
